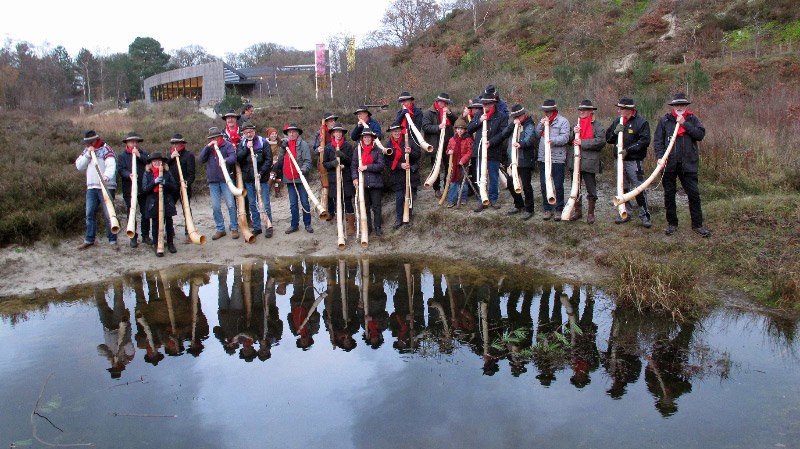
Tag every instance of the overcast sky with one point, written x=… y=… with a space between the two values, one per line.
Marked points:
x=105 y=27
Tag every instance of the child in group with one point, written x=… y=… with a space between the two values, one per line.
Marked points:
x=156 y=177
x=397 y=171
x=460 y=147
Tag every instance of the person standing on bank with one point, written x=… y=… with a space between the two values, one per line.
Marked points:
x=248 y=115
x=526 y=156
x=397 y=172
x=371 y=168
x=560 y=133
x=291 y=178
x=589 y=136
x=94 y=195
x=339 y=147
x=216 y=181
x=406 y=101
x=365 y=120
x=460 y=148
x=263 y=154
x=495 y=122
x=180 y=155
x=682 y=163
x=156 y=177
x=319 y=149
x=125 y=170
x=432 y=126
x=635 y=140
x=274 y=146
x=232 y=132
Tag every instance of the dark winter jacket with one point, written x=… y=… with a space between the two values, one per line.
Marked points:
x=263 y=154
x=528 y=142
x=635 y=140
x=125 y=167
x=417 y=119
x=398 y=175
x=329 y=161
x=209 y=157
x=497 y=122
x=590 y=150
x=373 y=175
x=151 y=197
x=685 y=150
x=355 y=134
x=187 y=168
x=430 y=127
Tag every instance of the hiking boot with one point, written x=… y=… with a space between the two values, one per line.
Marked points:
x=480 y=208
x=187 y=240
x=437 y=194
x=514 y=211
x=378 y=232
x=670 y=229
x=234 y=234
x=171 y=248
x=548 y=214
x=309 y=229
x=134 y=243
x=702 y=232
x=114 y=247
x=590 y=213
x=268 y=233
x=217 y=235
x=494 y=206
x=256 y=232
x=290 y=230
x=577 y=210
x=84 y=245
x=527 y=216
x=620 y=220
x=397 y=225
x=646 y=222
x=557 y=215
x=450 y=205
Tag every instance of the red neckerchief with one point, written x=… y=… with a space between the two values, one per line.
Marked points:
x=366 y=154
x=550 y=117
x=130 y=150
x=156 y=172
x=446 y=120
x=398 y=151
x=625 y=120
x=410 y=112
x=337 y=143
x=681 y=131
x=488 y=113
x=288 y=167
x=98 y=143
x=586 y=127
x=234 y=135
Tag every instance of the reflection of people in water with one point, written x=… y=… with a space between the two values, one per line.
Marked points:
x=463 y=311
x=666 y=374
x=118 y=346
x=547 y=326
x=199 y=326
x=271 y=323
x=373 y=308
x=519 y=320
x=231 y=313
x=341 y=318
x=408 y=319
x=619 y=360
x=585 y=356
x=302 y=306
x=491 y=326
x=148 y=310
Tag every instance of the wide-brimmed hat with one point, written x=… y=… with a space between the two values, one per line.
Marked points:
x=248 y=125
x=487 y=98
x=404 y=96
x=518 y=110
x=213 y=132
x=490 y=90
x=460 y=123
x=679 y=100
x=626 y=103
x=362 y=108
x=231 y=113
x=475 y=103
x=393 y=126
x=549 y=105
x=90 y=136
x=586 y=105
x=177 y=138
x=292 y=126
x=157 y=155
x=444 y=96
x=368 y=132
x=133 y=136
x=328 y=116
x=338 y=127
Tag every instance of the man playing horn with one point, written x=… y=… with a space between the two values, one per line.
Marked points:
x=125 y=169
x=232 y=131
x=528 y=140
x=339 y=148
x=94 y=195
x=682 y=162
x=471 y=112
x=406 y=101
x=432 y=126
x=180 y=155
x=496 y=122
x=291 y=178
x=397 y=171
x=559 y=138
x=156 y=177
x=371 y=168
x=589 y=136
x=635 y=140
x=216 y=181
x=365 y=121
x=263 y=155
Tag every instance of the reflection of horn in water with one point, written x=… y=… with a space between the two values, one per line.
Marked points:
x=329 y=321
x=343 y=289
x=170 y=306
x=247 y=292
x=485 y=327
x=313 y=309
x=194 y=294
x=365 y=293
x=268 y=293
x=573 y=319
x=410 y=288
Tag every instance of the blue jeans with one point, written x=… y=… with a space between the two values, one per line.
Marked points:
x=294 y=189
x=494 y=175
x=94 y=197
x=220 y=189
x=253 y=200
x=399 y=204
x=558 y=185
x=452 y=193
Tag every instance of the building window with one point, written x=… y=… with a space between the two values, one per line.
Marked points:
x=189 y=88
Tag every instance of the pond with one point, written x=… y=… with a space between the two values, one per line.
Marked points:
x=386 y=352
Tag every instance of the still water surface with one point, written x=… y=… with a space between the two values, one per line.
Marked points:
x=385 y=354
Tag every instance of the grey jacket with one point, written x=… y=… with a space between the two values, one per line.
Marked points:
x=560 y=135
x=303 y=160
x=590 y=150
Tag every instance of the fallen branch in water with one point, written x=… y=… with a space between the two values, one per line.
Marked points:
x=35 y=413
x=141 y=415
x=140 y=380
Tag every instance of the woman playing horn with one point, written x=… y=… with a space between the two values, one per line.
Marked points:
x=371 y=169
x=338 y=153
x=398 y=165
x=590 y=138
x=284 y=167
x=217 y=180
x=156 y=178
x=559 y=138
x=180 y=155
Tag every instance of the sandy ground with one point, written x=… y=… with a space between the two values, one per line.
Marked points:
x=48 y=268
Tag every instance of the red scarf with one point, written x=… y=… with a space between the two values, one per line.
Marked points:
x=550 y=117
x=288 y=167
x=234 y=135
x=130 y=150
x=410 y=112
x=372 y=326
x=337 y=143
x=366 y=154
x=681 y=131
x=98 y=143
x=398 y=151
x=625 y=120
x=156 y=173
x=488 y=112
x=446 y=120
x=586 y=127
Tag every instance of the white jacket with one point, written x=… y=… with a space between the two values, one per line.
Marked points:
x=108 y=165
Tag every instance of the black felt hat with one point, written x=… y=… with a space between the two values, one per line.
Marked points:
x=549 y=105
x=445 y=97
x=626 y=103
x=679 y=100
x=328 y=116
x=248 y=125
x=157 y=155
x=213 y=132
x=393 y=126
x=133 y=136
x=292 y=126
x=90 y=136
x=518 y=110
x=404 y=96
x=368 y=132
x=177 y=138
x=586 y=105
x=231 y=113
x=338 y=127
x=362 y=108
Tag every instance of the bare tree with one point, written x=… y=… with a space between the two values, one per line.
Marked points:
x=191 y=55
x=478 y=8
x=405 y=19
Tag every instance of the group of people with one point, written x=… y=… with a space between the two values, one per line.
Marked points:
x=264 y=166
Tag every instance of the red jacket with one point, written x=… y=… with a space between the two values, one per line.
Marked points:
x=462 y=152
